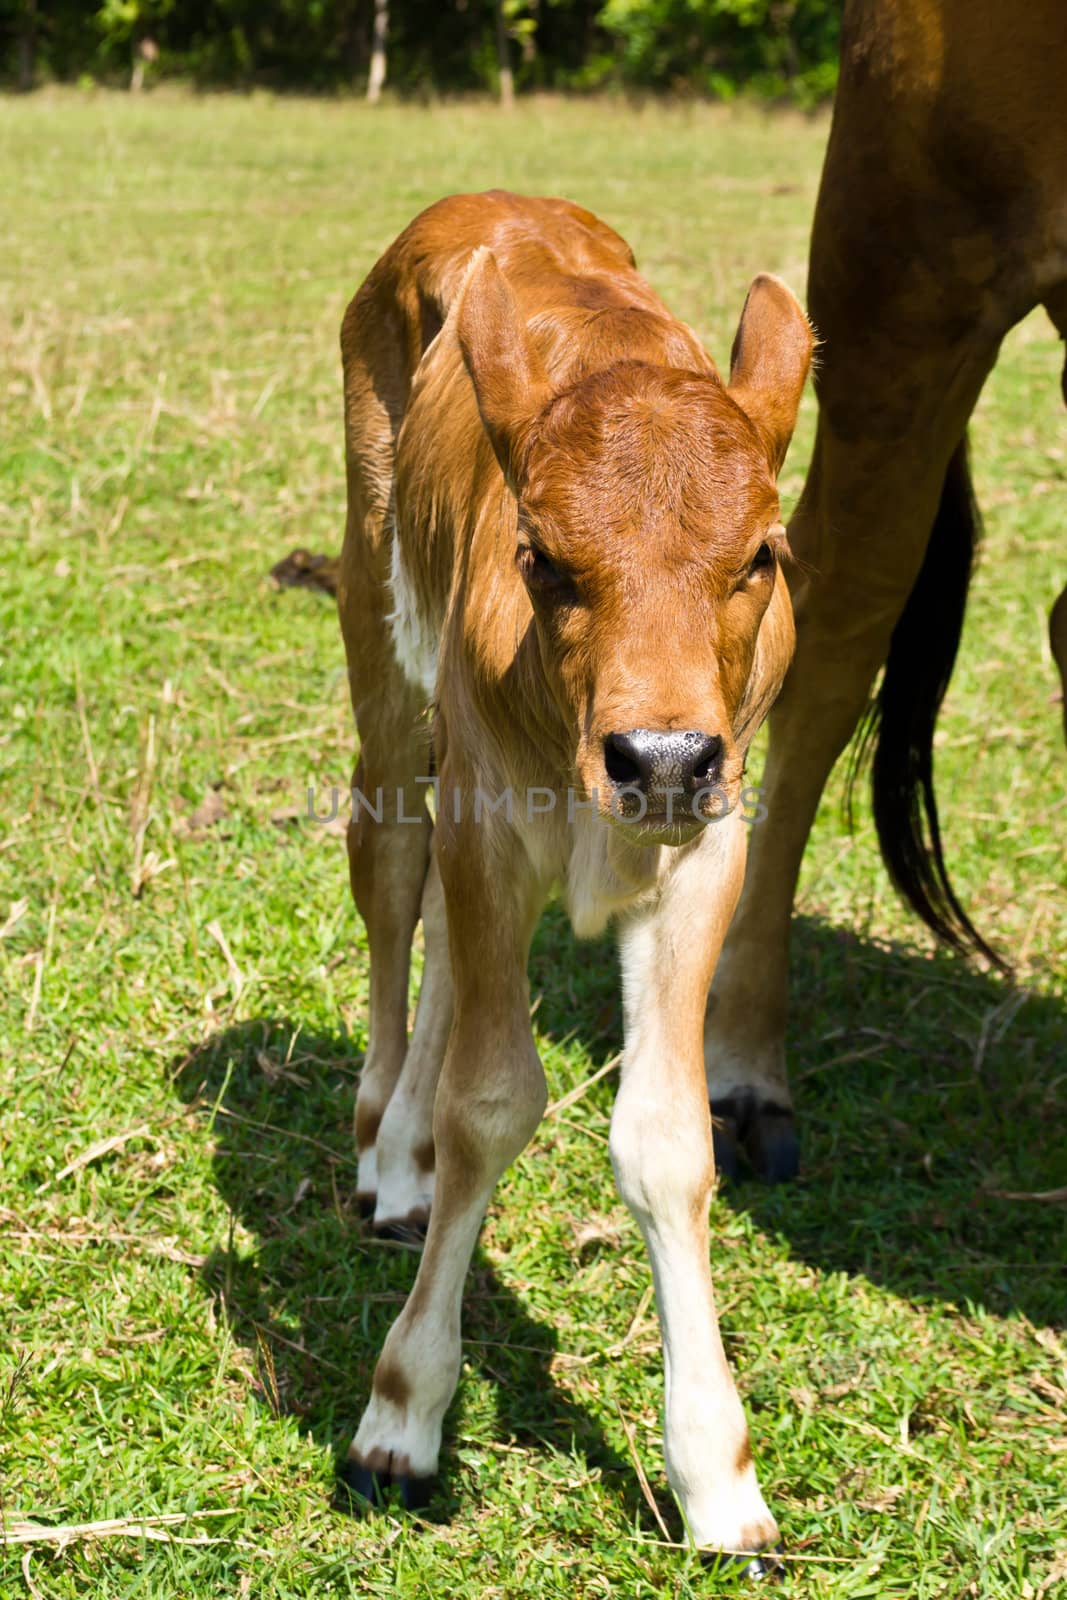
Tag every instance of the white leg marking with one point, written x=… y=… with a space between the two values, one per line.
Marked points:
x=367 y=1172
x=661 y=1152
x=380 y=1071
x=405 y=1190
x=425 y=1349
x=405 y=1138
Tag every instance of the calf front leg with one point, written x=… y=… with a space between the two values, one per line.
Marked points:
x=661 y=1149
x=490 y=1098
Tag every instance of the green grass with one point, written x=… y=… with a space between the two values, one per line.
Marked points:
x=191 y=1314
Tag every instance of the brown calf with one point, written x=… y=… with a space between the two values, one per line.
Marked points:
x=942 y=220
x=560 y=584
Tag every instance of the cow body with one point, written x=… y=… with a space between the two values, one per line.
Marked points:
x=560 y=590
x=941 y=222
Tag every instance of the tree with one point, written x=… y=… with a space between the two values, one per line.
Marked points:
x=377 y=54
x=129 y=27
x=503 y=58
x=27 y=43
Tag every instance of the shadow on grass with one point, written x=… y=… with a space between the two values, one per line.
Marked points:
x=312 y=1294
x=922 y=1086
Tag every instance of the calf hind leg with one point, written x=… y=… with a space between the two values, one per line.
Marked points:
x=405 y=1147
x=389 y=830
x=388 y=844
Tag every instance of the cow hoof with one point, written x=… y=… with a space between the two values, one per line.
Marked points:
x=761 y=1567
x=772 y=1145
x=724 y=1140
x=360 y=1489
x=365 y=1204
x=764 y=1132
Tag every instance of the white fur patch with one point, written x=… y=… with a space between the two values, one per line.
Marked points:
x=367 y=1172
x=402 y=1431
x=403 y=1193
x=414 y=640
x=605 y=873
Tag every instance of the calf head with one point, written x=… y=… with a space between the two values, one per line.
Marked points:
x=649 y=543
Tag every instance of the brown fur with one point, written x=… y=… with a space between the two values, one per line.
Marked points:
x=367 y=1124
x=424 y=1155
x=391 y=1384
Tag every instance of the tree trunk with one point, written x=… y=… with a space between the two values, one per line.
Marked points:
x=781 y=16
x=27 y=45
x=145 y=54
x=353 y=39
x=503 y=58
x=377 y=55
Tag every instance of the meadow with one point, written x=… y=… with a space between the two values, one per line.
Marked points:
x=189 y=1306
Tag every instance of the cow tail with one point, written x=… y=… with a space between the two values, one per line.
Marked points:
x=900 y=720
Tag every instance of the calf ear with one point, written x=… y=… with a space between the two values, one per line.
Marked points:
x=510 y=382
x=769 y=362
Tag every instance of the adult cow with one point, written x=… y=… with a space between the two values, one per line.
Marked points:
x=941 y=221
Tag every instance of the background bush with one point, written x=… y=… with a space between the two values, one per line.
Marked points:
x=776 y=48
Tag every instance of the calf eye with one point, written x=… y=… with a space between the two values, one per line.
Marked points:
x=539 y=570
x=762 y=561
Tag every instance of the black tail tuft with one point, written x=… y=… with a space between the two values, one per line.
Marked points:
x=901 y=718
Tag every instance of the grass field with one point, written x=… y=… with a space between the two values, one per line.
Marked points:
x=190 y=1311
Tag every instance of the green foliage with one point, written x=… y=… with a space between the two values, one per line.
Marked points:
x=771 y=47
x=123 y=20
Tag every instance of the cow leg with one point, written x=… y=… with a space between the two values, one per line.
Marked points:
x=387 y=867
x=1056 y=306
x=860 y=533
x=490 y=1099
x=389 y=831
x=661 y=1149
x=405 y=1152
x=1057 y=633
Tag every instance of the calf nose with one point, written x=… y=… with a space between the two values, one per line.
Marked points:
x=655 y=762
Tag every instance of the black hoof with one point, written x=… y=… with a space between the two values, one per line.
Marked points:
x=772 y=1145
x=762 y=1566
x=765 y=1132
x=365 y=1202
x=360 y=1490
x=724 y=1139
